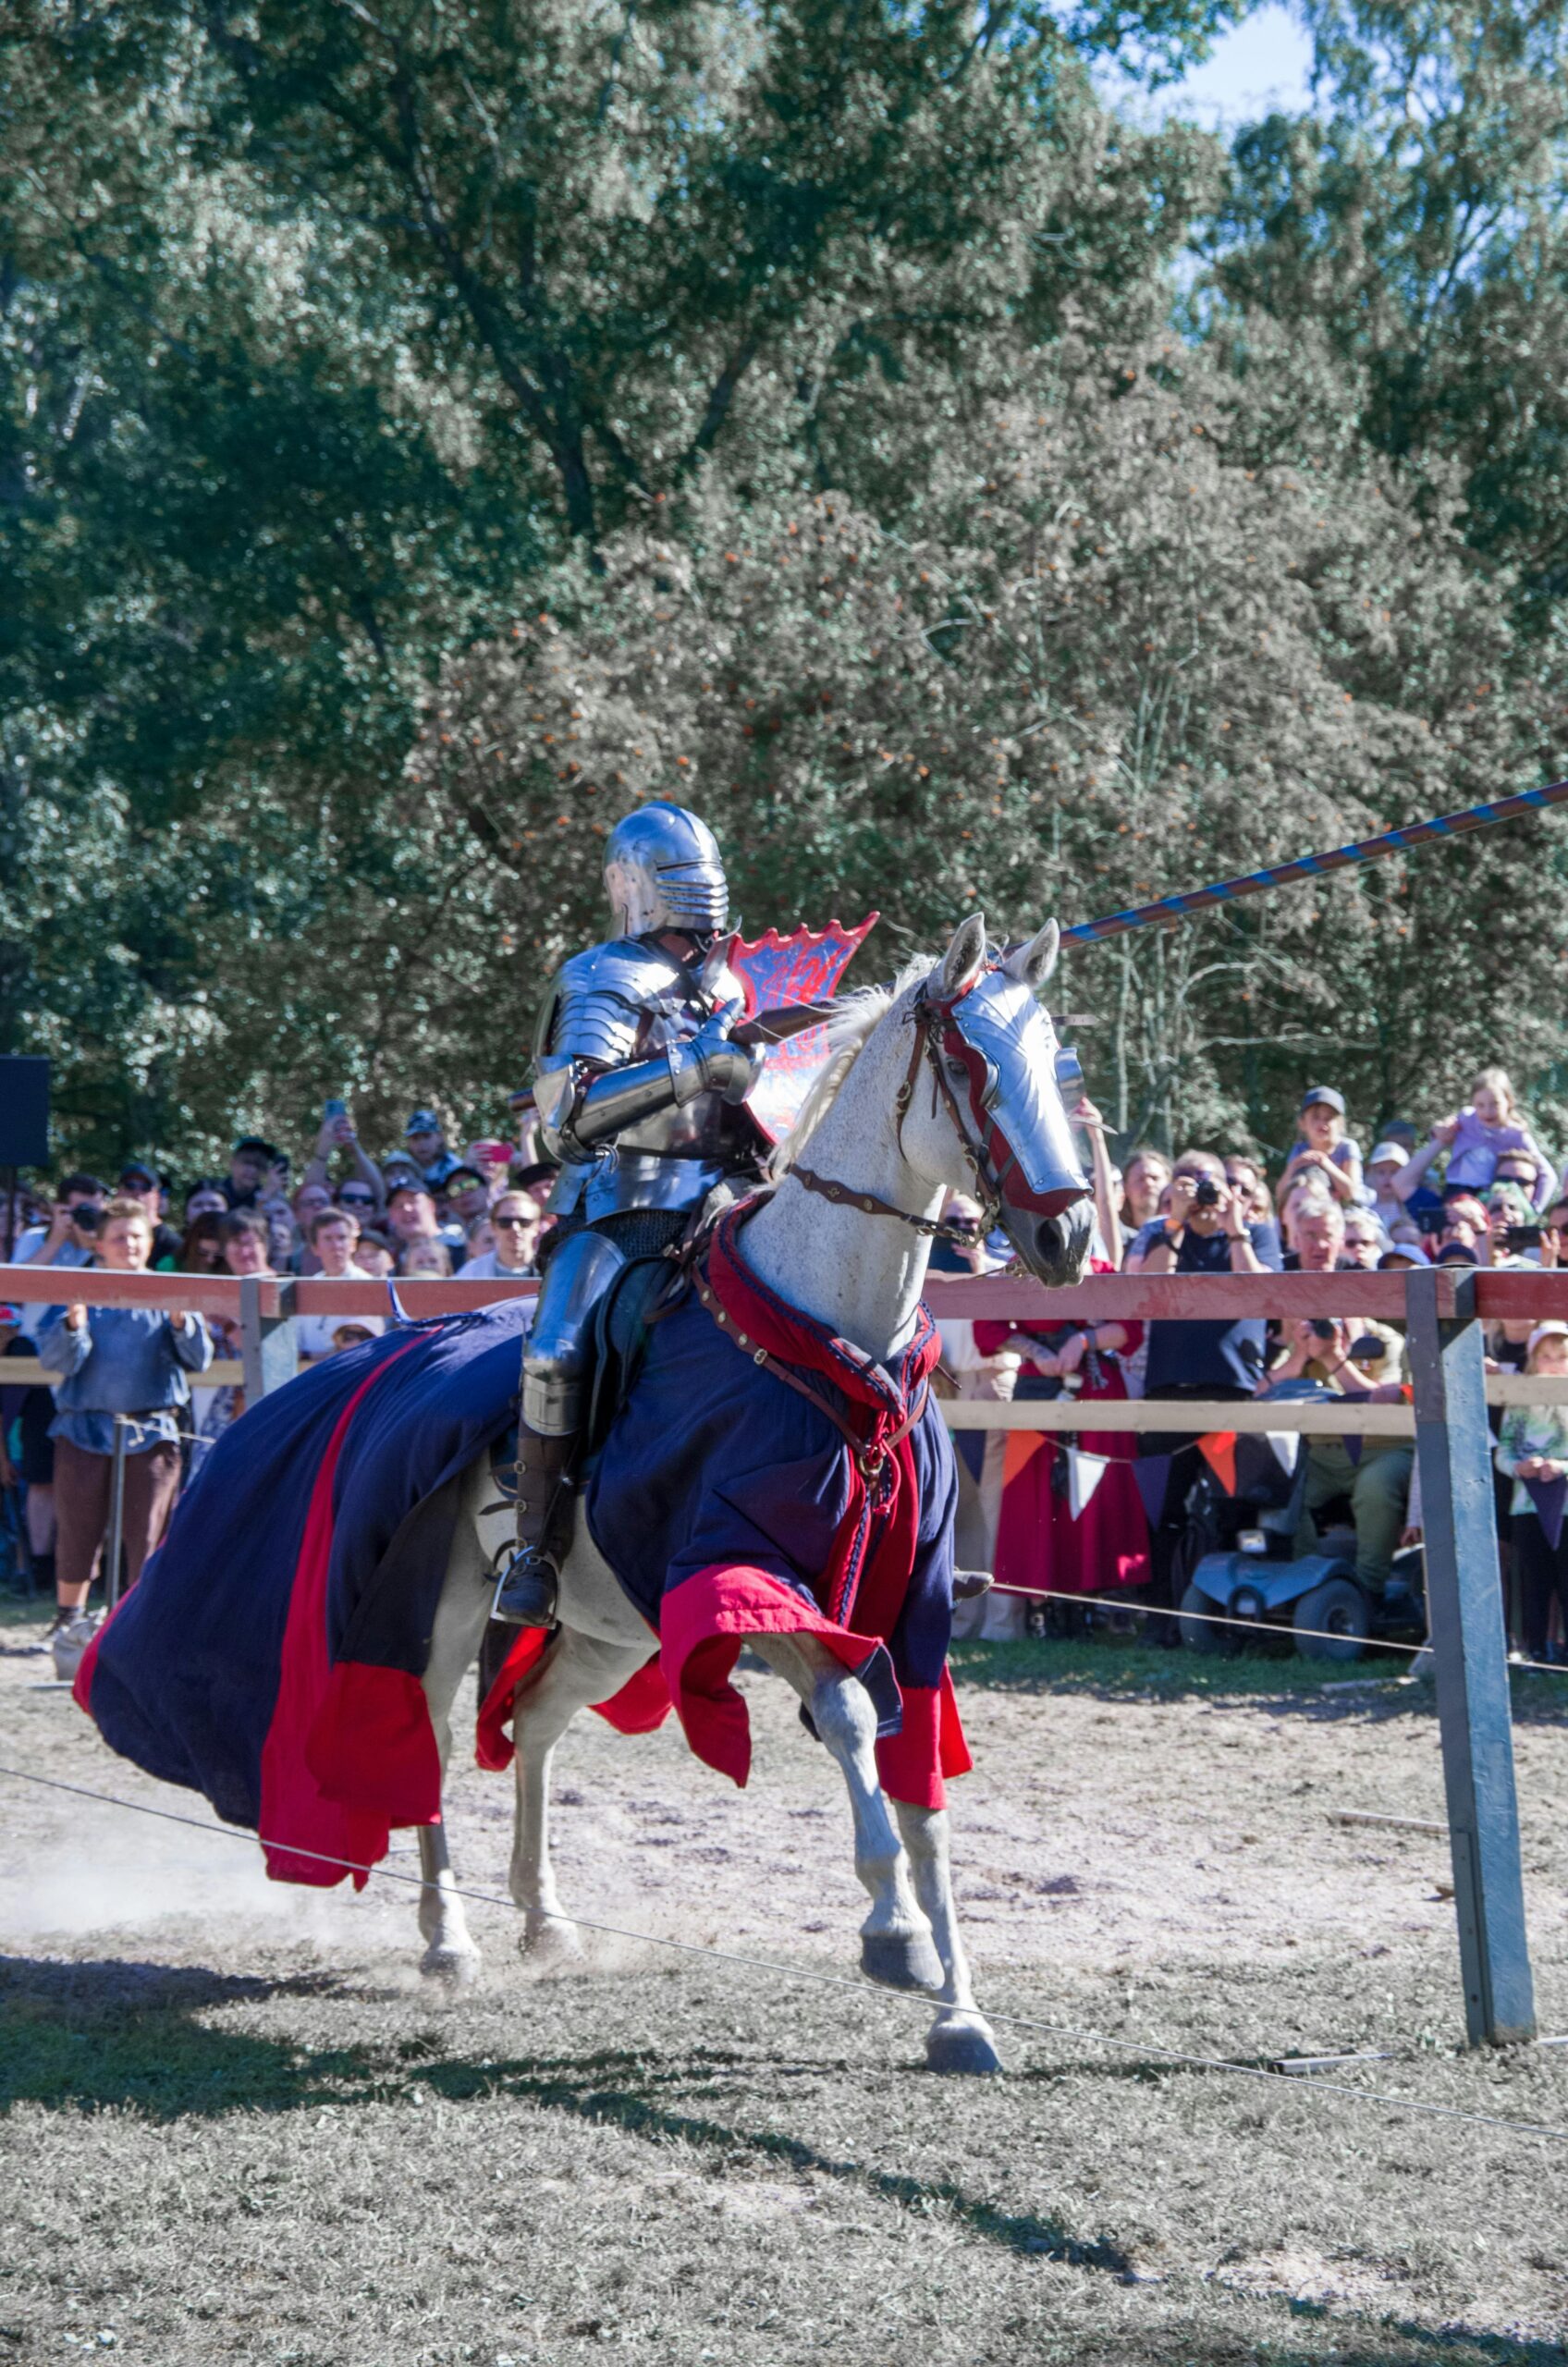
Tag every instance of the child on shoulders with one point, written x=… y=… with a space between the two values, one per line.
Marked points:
x=1323 y=1148
x=1476 y=1137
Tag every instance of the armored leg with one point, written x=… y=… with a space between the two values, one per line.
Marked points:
x=554 y=1369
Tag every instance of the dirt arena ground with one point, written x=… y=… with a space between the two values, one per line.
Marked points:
x=237 y=2126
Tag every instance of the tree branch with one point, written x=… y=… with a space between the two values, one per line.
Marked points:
x=720 y=396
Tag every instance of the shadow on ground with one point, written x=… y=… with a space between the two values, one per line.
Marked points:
x=124 y=2035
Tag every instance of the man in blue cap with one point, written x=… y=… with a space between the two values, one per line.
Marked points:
x=427 y=1148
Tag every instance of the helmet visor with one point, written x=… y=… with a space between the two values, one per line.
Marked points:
x=695 y=895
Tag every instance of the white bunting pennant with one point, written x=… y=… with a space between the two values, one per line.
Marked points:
x=1286 y=1445
x=1084 y=1473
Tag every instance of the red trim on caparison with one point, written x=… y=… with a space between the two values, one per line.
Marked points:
x=292 y=1801
x=372 y=1745
x=640 y=1708
x=704 y=1621
x=931 y=1745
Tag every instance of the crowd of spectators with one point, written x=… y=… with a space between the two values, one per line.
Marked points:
x=424 y=1210
x=1056 y=1514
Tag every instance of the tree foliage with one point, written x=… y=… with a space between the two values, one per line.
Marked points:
x=427 y=428
x=1107 y=653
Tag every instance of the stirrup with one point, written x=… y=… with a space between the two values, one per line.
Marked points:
x=527 y=1587
x=526 y=1590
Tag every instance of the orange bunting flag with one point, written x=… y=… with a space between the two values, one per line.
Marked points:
x=1218 y=1451
x=1022 y=1446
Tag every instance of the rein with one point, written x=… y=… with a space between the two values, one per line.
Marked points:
x=926 y=1017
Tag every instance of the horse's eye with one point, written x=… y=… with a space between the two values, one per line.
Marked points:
x=957 y=1071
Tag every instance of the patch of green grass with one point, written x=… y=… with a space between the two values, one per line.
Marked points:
x=1134 y=1670
x=312 y=2167
x=1087 y=1665
x=23 y=1613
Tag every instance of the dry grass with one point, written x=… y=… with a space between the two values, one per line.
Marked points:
x=237 y=2128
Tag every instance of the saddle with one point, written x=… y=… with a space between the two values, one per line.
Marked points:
x=640 y=1292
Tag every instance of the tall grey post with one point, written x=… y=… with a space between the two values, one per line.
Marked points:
x=1465 y=1602
x=115 y=1548
x=266 y=1342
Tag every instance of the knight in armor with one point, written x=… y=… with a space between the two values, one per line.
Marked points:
x=639 y=1093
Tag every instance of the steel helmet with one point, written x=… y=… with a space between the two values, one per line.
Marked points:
x=663 y=870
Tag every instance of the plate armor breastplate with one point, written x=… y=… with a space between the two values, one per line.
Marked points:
x=608 y=1025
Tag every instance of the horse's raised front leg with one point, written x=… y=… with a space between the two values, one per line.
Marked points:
x=895 y=1942
x=960 y=2038
x=575 y=1671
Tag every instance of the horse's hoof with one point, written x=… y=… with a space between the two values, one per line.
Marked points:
x=455 y=1967
x=547 y=1941
x=962 y=2045
x=901 y=1959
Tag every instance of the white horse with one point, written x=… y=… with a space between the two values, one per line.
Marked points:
x=860 y=1271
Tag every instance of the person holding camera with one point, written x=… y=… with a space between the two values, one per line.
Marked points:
x=1362 y=1359
x=116 y=1360
x=1207 y=1229
x=70 y=1235
x=363 y=1190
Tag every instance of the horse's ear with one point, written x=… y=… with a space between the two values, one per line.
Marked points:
x=1032 y=964
x=965 y=956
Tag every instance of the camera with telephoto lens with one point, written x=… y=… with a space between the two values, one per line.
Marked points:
x=87 y=1216
x=1206 y=1196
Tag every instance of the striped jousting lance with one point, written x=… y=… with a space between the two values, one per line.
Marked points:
x=772 y=1027
x=1312 y=867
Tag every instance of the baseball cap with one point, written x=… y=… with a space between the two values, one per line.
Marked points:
x=1456 y=1254
x=1389 y=1154
x=255 y=1142
x=1403 y=1253
x=423 y=1121
x=538 y=1177
x=135 y=1171
x=1552 y=1330
x=459 y=1177
x=1326 y=1095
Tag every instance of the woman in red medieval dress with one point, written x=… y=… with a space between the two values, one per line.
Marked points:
x=1073 y=1521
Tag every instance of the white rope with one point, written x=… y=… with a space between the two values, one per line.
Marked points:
x=1222 y=1619
x=922 y=2002
x=1210 y=1618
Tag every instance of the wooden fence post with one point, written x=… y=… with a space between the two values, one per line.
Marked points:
x=1464 y=1604
x=267 y=1349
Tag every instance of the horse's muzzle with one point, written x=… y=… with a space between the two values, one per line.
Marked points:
x=1054 y=1245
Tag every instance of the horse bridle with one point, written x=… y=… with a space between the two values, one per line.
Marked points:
x=929 y=1018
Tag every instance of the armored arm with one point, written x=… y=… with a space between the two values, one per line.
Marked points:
x=589 y=1087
